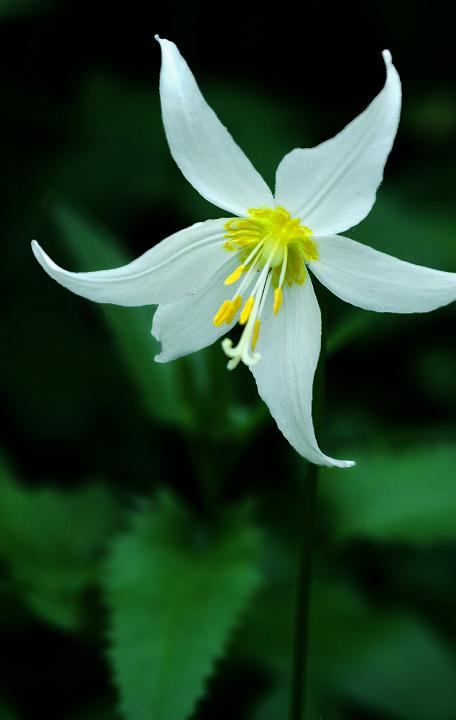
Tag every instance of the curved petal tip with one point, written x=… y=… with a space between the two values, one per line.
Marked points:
x=344 y=463
x=164 y=43
x=387 y=57
x=38 y=252
x=44 y=260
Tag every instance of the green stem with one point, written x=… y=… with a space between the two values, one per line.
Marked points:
x=304 y=580
x=303 y=590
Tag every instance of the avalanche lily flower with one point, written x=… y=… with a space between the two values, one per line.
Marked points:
x=252 y=266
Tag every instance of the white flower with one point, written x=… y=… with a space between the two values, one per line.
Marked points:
x=262 y=253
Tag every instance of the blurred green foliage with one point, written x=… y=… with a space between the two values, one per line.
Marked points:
x=421 y=480
x=175 y=591
x=150 y=515
x=157 y=390
x=51 y=543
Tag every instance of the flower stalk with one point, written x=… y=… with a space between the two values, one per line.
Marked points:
x=299 y=686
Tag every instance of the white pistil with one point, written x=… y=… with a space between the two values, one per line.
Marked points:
x=247 y=278
x=234 y=277
x=243 y=350
x=264 y=295
x=278 y=297
x=284 y=267
x=255 y=250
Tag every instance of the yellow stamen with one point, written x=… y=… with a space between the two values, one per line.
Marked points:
x=235 y=275
x=246 y=310
x=278 y=297
x=272 y=248
x=256 y=332
x=219 y=317
x=271 y=235
x=232 y=310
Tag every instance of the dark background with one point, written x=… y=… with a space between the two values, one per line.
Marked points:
x=82 y=138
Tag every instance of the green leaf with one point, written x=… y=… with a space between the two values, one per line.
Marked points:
x=7 y=712
x=158 y=385
x=384 y=661
x=175 y=592
x=390 y=662
x=402 y=229
x=13 y=8
x=117 y=162
x=405 y=496
x=52 y=543
x=355 y=325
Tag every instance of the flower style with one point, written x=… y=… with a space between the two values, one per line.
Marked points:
x=264 y=249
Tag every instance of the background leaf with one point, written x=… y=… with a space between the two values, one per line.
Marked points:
x=396 y=496
x=12 y=8
x=388 y=661
x=158 y=385
x=52 y=543
x=175 y=591
x=6 y=712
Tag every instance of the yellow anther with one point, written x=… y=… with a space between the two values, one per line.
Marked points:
x=256 y=332
x=236 y=304
x=235 y=275
x=229 y=312
x=247 y=309
x=238 y=301
x=219 y=317
x=278 y=297
x=232 y=310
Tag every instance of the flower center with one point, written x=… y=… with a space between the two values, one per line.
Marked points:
x=273 y=249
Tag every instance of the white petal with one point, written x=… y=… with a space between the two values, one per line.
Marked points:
x=375 y=281
x=202 y=147
x=290 y=345
x=175 y=267
x=186 y=326
x=332 y=187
